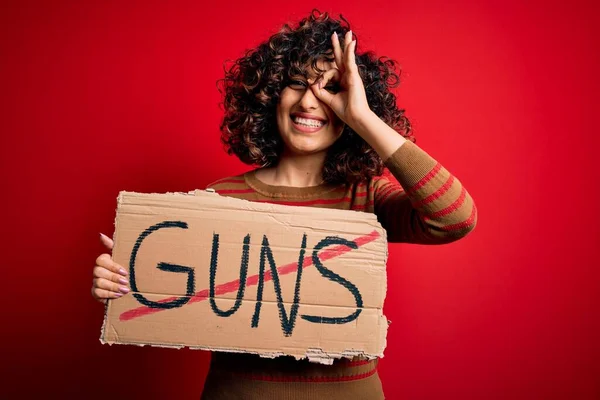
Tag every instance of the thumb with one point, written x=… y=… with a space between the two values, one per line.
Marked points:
x=106 y=241
x=321 y=94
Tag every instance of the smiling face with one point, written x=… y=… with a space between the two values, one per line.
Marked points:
x=306 y=125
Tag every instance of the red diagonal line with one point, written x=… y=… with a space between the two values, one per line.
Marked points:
x=233 y=286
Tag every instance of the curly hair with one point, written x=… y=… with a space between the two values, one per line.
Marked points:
x=253 y=84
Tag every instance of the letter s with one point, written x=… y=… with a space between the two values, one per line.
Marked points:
x=332 y=276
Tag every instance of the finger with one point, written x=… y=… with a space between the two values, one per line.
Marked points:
x=106 y=241
x=102 y=295
x=347 y=41
x=337 y=51
x=331 y=75
x=101 y=283
x=319 y=86
x=322 y=94
x=351 y=56
x=104 y=260
x=101 y=272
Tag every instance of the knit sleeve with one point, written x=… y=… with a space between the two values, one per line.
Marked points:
x=428 y=206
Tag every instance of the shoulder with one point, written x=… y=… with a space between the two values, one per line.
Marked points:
x=383 y=181
x=385 y=186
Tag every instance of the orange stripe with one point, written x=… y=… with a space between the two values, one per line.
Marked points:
x=392 y=188
x=235 y=191
x=398 y=194
x=307 y=202
x=461 y=225
x=426 y=178
x=300 y=378
x=452 y=207
x=382 y=192
x=437 y=194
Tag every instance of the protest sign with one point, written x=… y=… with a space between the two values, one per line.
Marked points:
x=218 y=273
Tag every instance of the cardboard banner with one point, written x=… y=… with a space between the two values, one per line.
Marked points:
x=224 y=274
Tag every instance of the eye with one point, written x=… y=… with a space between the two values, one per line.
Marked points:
x=297 y=84
x=332 y=88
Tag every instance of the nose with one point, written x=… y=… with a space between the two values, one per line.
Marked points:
x=308 y=101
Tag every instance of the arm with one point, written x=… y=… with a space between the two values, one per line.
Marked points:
x=429 y=206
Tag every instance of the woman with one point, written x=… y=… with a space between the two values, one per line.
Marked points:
x=321 y=123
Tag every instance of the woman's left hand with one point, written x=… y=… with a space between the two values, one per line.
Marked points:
x=350 y=102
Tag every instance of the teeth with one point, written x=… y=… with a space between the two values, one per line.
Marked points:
x=313 y=123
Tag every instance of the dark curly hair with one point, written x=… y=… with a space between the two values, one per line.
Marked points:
x=253 y=84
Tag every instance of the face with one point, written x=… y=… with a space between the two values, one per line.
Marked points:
x=306 y=125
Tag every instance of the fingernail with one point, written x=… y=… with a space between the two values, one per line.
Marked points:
x=123 y=281
x=118 y=294
x=123 y=272
x=350 y=32
x=335 y=34
x=124 y=290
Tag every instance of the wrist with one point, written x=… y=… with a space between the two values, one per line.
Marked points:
x=382 y=138
x=361 y=123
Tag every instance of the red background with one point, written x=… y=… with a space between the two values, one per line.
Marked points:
x=103 y=96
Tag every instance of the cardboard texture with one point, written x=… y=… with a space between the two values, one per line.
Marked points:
x=218 y=273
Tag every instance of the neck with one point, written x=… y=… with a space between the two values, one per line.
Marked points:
x=296 y=171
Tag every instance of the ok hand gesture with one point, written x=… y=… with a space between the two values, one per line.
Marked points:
x=350 y=102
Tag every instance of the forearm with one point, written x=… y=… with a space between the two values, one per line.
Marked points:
x=381 y=137
x=440 y=202
x=432 y=206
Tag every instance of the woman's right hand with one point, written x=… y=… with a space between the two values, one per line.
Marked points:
x=109 y=277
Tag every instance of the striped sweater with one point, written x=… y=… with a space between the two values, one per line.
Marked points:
x=424 y=204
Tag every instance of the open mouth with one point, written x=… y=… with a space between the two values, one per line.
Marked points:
x=310 y=123
x=306 y=124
